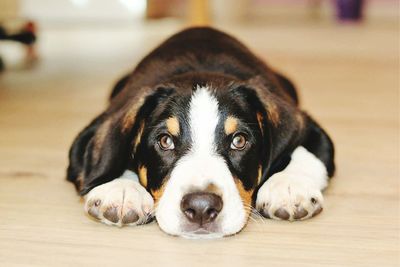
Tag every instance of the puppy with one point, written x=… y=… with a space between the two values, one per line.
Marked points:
x=196 y=136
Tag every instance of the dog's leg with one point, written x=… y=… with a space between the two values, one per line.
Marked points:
x=295 y=192
x=123 y=201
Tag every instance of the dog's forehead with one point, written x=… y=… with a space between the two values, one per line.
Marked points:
x=202 y=104
x=176 y=105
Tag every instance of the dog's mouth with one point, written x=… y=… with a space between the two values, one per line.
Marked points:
x=198 y=230
x=201 y=234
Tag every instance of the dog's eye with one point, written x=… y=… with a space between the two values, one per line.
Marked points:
x=239 y=142
x=165 y=142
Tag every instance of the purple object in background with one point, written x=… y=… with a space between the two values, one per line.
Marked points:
x=349 y=9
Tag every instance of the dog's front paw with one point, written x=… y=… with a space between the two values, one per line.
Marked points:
x=120 y=202
x=285 y=196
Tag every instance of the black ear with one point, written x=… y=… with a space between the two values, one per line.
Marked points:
x=281 y=121
x=103 y=150
x=253 y=102
x=77 y=153
x=99 y=154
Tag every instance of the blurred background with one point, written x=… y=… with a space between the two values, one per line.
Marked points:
x=109 y=29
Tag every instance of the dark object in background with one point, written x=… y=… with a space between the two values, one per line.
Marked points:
x=349 y=10
x=1 y=64
x=26 y=36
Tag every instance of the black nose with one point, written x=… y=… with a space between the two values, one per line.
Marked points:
x=201 y=207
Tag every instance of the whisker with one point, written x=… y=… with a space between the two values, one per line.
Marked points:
x=254 y=213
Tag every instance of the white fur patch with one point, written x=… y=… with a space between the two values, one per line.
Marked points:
x=123 y=196
x=198 y=169
x=203 y=118
x=297 y=187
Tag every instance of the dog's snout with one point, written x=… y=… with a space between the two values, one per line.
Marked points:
x=201 y=207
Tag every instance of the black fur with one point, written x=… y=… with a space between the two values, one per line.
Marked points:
x=244 y=86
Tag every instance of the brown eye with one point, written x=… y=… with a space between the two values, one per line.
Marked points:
x=239 y=142
x=165 y=142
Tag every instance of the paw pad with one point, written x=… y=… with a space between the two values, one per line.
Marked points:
x=317 y=211
x=111 y=214
x=282 y=214
x=300 y=213
x=130 y=217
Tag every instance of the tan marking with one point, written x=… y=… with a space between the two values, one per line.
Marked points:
x=79 y=181
x=143 y=176
x=260 y=119
x=138 y=136
x=244 y=194
x=273 y=112
x=129 y=118
x=259 y=174
x=173 y=126
x=212 y=188
x=157 y=194
x=300 y=119
x=230 y=125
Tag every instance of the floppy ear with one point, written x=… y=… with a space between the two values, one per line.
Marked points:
x=103 y=150
x=99 y=154
x=257 y=107
x=281 y=121
x=77 y=153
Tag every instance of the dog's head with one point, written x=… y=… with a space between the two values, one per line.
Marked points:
x=201 y=152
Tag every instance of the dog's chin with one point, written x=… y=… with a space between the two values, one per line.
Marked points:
x=208 y=231
x=202 y=234
x=195 y=231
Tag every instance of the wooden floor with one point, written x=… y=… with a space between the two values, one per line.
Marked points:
x=348 y=76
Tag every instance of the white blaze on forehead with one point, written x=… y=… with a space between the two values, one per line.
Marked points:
x=203 y=118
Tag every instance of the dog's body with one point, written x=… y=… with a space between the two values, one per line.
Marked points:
x=200 y=131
